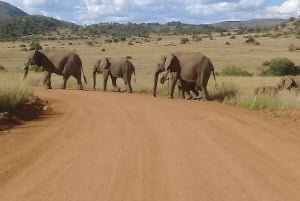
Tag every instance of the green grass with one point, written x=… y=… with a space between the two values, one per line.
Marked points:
x=13 y=91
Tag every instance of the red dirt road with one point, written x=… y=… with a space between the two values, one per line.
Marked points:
x=100 y=146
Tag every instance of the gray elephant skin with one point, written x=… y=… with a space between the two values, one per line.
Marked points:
x=61 y=62
x=114 y=68
x=189 y=86
x=189 y=67
x=289 y=82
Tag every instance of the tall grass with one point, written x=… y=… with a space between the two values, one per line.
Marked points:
x=13 y=91
x=240 y=92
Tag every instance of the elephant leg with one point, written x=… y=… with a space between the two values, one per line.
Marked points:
x=65 y=79
x=194 y=89
x=78 y=78
x=114 y=83
x=203 y=85
x=105 y=78
x=173 y=78
x=127 y=81
x=185 y=90
x=47 y=80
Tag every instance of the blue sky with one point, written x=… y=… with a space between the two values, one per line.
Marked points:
x=162 y=11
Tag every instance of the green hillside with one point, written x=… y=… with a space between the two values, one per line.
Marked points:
x=8 y=11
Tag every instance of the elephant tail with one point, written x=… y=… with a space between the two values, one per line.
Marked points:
x=84 y=78
x=134 y=78
x=214 y=76
x=216 y=84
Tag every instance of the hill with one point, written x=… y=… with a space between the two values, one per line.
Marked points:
x=8 y=11
x=256 y=23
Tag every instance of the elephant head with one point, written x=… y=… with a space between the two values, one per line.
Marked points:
x=99 y=66
x=287 y=83
x=33 y=59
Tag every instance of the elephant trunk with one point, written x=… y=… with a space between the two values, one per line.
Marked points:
x=155 y=83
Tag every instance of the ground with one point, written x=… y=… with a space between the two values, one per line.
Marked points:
x=118 y=146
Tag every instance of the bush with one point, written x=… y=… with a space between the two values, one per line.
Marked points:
x=35 y=45
x=234 y=71
x=89 y=43
x=184 y=40
x=2 y=69
x=35 y=68
x=13 y=94
x=251 y=40
x=280 y=67
x=232 y=37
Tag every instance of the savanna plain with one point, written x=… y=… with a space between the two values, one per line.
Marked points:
x=96 y=145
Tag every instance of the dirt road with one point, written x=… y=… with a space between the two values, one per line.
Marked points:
x=99 y=146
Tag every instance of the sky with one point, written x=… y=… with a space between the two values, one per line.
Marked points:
x=86 y=12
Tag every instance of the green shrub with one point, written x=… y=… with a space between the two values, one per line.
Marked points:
x=280 y=67
x=184 y=40
x=251 y=40
x=89 y=43
x=22 y=45
x=35 y=68
x=232 y=37
x=2 y=68
x=234 y=71
x=35 y=45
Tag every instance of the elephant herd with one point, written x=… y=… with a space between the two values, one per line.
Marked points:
x=190 y=70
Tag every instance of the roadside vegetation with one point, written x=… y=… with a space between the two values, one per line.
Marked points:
x=13 y=92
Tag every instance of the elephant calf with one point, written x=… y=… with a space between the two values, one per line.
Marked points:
x=115 y=68
x=271 y=90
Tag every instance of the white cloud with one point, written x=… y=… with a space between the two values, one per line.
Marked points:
x=287 y=8
x=188 y=11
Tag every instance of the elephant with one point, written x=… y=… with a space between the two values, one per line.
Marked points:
x=60 y=62
x=289 y=82
x=115 y=68
x=271 y=90
x=188 y=67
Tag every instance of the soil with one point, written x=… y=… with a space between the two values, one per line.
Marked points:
x=130 y=147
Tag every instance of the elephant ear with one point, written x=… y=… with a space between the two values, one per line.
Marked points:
x=169 y=60
x=288 y=83
x=104 y=64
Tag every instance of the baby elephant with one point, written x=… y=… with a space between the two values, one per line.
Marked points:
x=115 y=68
x=271 y=90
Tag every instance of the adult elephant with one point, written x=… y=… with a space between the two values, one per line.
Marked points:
x=189 y=67
x=115 y=68
x=289 y=82
x=61 y=62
